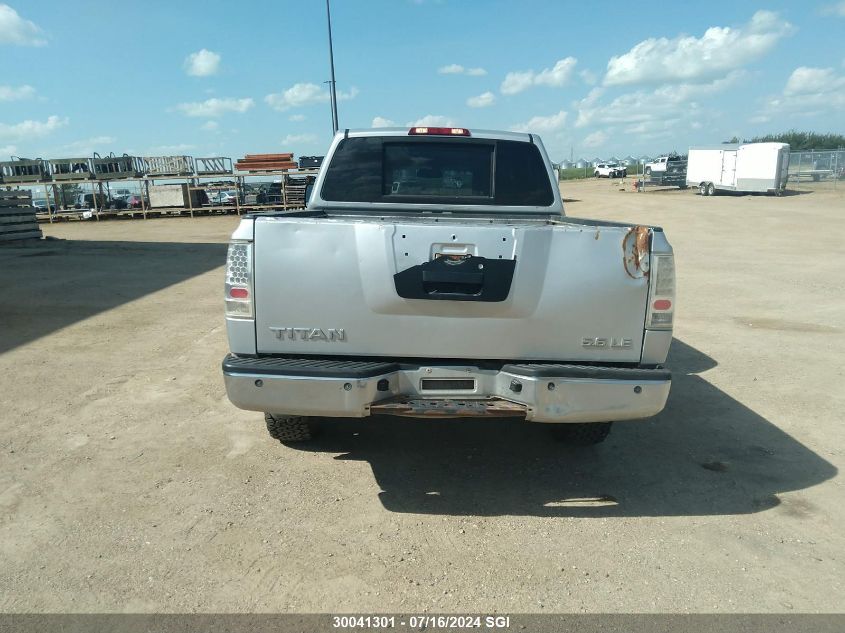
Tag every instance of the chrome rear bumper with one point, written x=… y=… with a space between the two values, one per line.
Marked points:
x=542 y=392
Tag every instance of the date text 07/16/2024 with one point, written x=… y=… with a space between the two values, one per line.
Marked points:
x=420 y=621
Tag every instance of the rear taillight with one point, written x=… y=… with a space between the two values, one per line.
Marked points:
x=661 y=306
x=239 y=299
x=438 y=131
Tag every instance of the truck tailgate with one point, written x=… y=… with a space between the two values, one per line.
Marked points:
x=326 y=286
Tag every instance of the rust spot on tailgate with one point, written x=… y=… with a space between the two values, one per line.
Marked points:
x=448 y=408
x=635 y=252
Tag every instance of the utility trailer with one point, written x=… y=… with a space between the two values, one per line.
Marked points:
x=743 y=167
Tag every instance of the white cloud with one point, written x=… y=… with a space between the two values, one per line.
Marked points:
x=298 y=139
x=665 y=103
x=457 y=69
x=17 y=31
x=85 y=147
x=451 y=69
x=8 y=150
x=482 y=101
x=688 y=58
x=210 y=126
x=202 y=63
x=517 y=82
x=296 y=117
x=804 y=80
x=596 y=139
x=808 y=91
x=296 y=96
x=214 y=107
x=556 y=76
x=27 y=130
x=380 y=121
x=588 y=77
x=304 y=94
x=543 y=123
x=16 y=93
x=837 y=8
x=432 y=120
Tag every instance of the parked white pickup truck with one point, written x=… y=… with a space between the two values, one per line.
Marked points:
x=661 y=164
x=434 y=274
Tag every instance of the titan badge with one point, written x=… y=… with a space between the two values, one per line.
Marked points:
x=330 y=335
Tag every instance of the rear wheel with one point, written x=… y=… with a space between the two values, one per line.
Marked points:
x=582 y=434
x=289 y=429
x=596 y=174
x=711 y=189
x=702 y=189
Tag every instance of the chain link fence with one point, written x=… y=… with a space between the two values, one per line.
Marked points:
x=817 y=169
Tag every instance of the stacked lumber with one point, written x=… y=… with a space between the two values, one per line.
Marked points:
x=266 y=162
x=17 y=216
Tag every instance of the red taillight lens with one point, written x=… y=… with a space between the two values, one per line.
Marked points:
x=238 y=287
x=662 y=279
x=438 y=131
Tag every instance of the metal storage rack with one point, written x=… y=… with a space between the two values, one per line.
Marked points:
x=102 y=173
x=291 y=196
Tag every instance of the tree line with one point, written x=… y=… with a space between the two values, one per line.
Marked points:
x=798 y=140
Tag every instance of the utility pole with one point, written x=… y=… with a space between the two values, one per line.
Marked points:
x=332 y=87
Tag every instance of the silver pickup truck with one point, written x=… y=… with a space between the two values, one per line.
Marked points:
x=434 y=274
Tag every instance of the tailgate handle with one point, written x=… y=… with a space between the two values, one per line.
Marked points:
x=470 y=279
x=452 y=277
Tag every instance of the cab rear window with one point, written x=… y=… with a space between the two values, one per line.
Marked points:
x=445 y=171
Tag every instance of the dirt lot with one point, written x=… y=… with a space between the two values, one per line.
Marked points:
x=129 y=483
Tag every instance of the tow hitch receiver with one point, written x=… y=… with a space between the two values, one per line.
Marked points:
x=449 y=408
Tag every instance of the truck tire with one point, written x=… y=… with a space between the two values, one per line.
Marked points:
x=289 y=429
x=711 y=189
x=596 y=175
x=582 y=434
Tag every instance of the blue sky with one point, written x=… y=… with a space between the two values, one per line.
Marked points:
x=212 y=78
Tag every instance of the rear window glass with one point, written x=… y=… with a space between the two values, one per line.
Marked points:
x=447 y=170
x=399 y=170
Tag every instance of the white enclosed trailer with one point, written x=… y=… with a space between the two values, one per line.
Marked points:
x=746 y=167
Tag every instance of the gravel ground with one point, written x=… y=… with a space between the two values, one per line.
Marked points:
x=128 y=483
